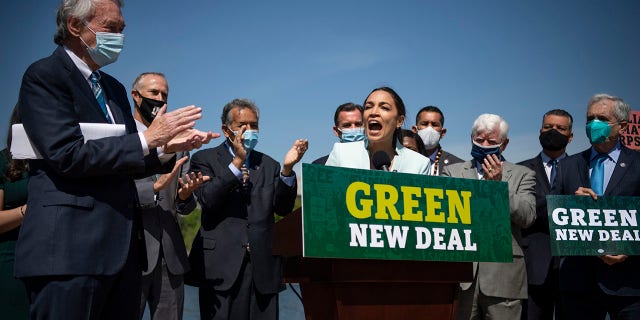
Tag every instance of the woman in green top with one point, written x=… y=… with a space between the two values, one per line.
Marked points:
x=14 y=303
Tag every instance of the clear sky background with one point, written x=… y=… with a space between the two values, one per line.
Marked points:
x=299 y=60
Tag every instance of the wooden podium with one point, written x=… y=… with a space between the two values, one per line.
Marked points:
x=367 y=289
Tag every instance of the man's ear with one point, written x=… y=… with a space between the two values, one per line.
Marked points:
x=504 y=145
x=414 y=129
x=74 y=25
x=337 y=132
x=623 y=126
x=443 y=132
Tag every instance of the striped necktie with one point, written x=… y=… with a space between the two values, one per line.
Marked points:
x=97 y=92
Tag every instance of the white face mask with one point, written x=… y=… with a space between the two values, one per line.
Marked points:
x=430 y=137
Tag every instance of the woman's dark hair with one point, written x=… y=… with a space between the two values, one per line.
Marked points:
x=410 y=134
x=399 y=104
x=15 y=168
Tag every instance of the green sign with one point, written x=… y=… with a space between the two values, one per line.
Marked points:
x=370 y=214
x=581 y=226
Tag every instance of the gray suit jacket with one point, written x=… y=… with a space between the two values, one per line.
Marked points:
x=160 y=222
x=505 y=280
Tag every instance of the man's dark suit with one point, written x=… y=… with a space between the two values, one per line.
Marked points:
x=82 y=198
x=229 y=222
x=447 y=158
x=321 y=160
x=537 y=248
x=584 y=274
x=163 y=239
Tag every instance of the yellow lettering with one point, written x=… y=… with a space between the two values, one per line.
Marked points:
x=462 y=208
x=364 y=210
x=408 y=195
x=433 y=205
x=386 y=199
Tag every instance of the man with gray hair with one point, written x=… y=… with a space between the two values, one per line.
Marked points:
x=80 y=247
x=162 y=198
x=498 y=288
x=592 y=287
x=233 y=250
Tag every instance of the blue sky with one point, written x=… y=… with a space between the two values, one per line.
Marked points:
x=299 y=60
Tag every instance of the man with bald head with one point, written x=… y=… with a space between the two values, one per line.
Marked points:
x=162 y=198
x=80 y=246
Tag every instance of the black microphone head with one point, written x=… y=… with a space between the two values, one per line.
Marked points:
x=381 y=160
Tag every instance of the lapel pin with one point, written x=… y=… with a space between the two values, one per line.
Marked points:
x=623 y=164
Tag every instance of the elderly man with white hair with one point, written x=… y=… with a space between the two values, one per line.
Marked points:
x=498 y=288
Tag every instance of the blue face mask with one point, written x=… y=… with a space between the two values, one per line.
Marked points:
x=250 y=139
x=351 y=134
x=598 y=131
x=479 y=152
x=107 y=49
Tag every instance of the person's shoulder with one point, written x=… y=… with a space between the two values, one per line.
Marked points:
x=450 y=158
x=457 y=166
x=208 y=152
x=321 y=160
x=47 y=65
x=510 y=166
x=530 y=162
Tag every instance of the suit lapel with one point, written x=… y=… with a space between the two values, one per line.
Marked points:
x=469 y=170
x=94 y=112
x=620 y=170
x=538 y=167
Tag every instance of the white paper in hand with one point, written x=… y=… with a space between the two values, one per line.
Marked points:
x=22 y=148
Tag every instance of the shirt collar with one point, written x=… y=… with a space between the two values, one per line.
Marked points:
x=230 y=148
x=433 y=156
x=546 y=158
x=81 y=65
x=613 y=154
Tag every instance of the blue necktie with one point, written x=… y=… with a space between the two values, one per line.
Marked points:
x=552 y=175
x=97 y=92
x=597 y=173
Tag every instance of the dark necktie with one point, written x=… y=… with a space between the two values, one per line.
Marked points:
x=554 y=166
x=597 y=173
x=97 y=92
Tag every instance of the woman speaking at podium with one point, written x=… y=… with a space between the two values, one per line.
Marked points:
x=384 y=114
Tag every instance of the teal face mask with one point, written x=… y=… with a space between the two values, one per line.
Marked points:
x=351 y=134
x=598 y=131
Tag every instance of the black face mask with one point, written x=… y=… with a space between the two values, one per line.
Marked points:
x=149 y=108
x=553 y=140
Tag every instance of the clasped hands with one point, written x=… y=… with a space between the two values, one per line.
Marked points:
x=174 y=130
x=609 y=259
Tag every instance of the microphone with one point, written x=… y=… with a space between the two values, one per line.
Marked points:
x=381 y=160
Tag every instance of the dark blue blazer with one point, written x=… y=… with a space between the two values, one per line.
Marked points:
x=82 y=197
x=229 y=222
x=579 y=273
x=535 y=239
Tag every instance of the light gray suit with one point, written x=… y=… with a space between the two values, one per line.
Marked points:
x=502 y=280
x=162 y=282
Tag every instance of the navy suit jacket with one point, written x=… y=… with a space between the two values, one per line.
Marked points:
x=82 y=197
x=229 y=222
x=579 y=273
x=535 y=239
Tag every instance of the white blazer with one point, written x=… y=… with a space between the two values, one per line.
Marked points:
x=355 y=155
